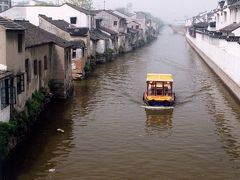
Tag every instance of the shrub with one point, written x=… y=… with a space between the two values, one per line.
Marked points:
x=7 y=129
x=87 y=68
x=108 y=51
x=20 y=123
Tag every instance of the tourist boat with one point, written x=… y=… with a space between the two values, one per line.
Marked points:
x=159 y=91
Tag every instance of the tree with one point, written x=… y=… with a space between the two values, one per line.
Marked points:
x=129 y=7
x=87 y=4
x=125 y=10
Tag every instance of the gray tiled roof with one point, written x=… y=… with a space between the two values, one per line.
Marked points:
x=230 y=28
x=58 y=23
x=201 y=25
x=97 y=35
x=36 y=36
x=114 y=14
x=65 y=26
x=133 y=22
x=78 y=44
x=107 y=11
x=237 y=4
x=95 y=11
x=108 y=30
x=9 y=25
x=85 y=11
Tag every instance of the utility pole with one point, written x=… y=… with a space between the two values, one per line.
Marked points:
x=104 y=4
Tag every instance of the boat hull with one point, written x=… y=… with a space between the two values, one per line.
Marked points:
x=158 y=103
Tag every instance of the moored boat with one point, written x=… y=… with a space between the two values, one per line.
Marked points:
x=159 y=91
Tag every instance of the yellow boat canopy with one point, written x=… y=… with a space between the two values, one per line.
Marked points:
x=160 y=77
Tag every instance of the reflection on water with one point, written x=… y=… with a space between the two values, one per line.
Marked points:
x=159 y=122
x=226 y=120
x=108 y=135
x=45 y=146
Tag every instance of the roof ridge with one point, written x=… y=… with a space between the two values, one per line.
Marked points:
x=10 y=24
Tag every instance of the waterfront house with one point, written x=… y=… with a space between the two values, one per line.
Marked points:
x=112 y=36
x=112 y=21
x=47 y=62
x=145 y=23
x=116 y=23
x=134 y=25
x=79 y=37
x=31 y=59
x=138 y=39
x=231 y=30
x=12 y=50
x=72 y=14
x=220 y=48
x=229 y=13
x=100 y=42
x=77 y=16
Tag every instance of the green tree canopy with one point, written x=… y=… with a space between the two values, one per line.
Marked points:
x=87 y=4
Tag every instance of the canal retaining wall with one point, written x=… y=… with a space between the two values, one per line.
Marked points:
x=222 y=57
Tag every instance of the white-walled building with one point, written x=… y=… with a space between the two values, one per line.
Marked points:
x=227 y=14
x=70 y=13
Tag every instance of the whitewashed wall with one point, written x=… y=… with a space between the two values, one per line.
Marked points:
x=237 y=32
x=101 y=47
x=232 y=16
x=5 y=114
x=225 y=55
x=31 y=13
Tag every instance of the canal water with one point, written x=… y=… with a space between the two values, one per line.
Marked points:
x=109 y=135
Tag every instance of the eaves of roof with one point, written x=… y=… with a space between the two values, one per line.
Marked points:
x=10 y=25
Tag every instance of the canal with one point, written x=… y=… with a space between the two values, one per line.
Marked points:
x=108 y=135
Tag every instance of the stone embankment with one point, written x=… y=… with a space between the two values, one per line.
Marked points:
x=222 y=56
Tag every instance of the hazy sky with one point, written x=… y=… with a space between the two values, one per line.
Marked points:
x=167 y=10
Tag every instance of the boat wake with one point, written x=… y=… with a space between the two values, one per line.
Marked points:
x=158 y=107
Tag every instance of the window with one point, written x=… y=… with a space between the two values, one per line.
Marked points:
x=225 y=16
x=74 y=53
x=8 y=92
x=73 y=20
x=115 y=23
x=45 y=63
x=235 y=15
x=20 y=83
x=137 y=26
x=5 y=93
x=35 y=67
x=20 y=42
x=27 y=70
